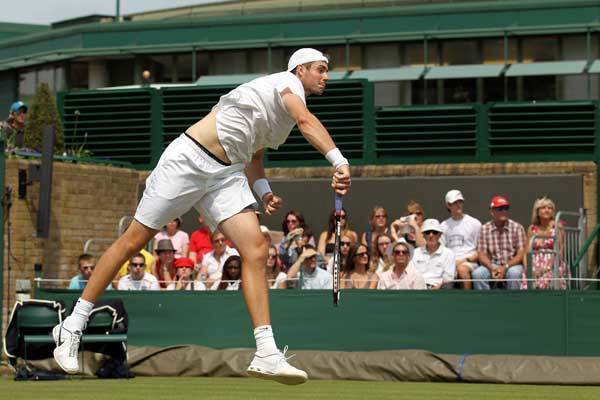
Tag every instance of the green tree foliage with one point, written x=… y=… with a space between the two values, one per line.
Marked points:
x=43 y=112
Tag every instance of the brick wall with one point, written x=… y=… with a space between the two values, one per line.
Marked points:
x=87 y=203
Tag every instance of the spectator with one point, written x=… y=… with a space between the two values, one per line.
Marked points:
x=164 y=267
x=356 y=273
x=402 y=275
x=327 y=238
x=377 y=226
x=138 y=278
x=380 y=256
x=299 y=238
x=13 y=129
x=148 y=260
x=178 y=238
x=277 y=278
x=311 y=276
x=293 y=225
x=543 y=227
x=184 y=280
x=211 y=268
x=230 y=278
x=345 y=244
x=500 y=248
x=200 y=242
x=267 y=234
x=434 y=260
x=86 y=263
x=461 y=232
x=409 y=226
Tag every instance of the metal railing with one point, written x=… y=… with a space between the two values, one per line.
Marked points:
x=563 y=258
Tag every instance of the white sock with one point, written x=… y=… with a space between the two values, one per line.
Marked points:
x=79 y=317
x=265 y=343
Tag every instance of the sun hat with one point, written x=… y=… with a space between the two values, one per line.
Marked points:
x=184 y=262
x=499 y=201
x=432 y=224
x=164 y=244
x=454 y=195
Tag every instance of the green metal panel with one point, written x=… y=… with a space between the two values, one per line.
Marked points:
x=112 y=124
x=421 y=134
x=532 y=130
x=341 y=109
x=465 y=71
x=454 y=322
x=184 y=106
x=8 y=91
x=594 y=67
x=226 y=80
x=546 y=68
x=389 y=74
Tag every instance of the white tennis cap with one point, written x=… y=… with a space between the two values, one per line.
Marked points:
x=305 y=55
x=432 y=224
x=454 y=195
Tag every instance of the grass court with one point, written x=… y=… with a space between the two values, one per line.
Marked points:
x=155 y=388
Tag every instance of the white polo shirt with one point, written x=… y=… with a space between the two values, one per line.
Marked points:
x=252 y=116
x=461 y=235
x=436 y=267
x=319 y=279
x=148 y=282
x=214 y=267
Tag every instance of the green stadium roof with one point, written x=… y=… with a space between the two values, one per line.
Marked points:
x=465 y=71
x=546 y=68
x=394 y=23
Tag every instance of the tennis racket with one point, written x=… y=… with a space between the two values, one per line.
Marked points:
x=336 y=250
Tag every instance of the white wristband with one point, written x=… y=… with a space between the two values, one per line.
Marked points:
x=335 y=157
x=261 y=187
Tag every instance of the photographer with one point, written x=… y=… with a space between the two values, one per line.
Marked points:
x=292 y=244
x=13 y=129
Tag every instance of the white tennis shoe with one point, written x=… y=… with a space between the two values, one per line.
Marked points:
x=276 y=368
x=67 y=348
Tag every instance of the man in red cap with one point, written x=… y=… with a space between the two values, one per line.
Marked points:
x=501 y=248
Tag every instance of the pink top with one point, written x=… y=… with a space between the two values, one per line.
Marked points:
x=409 y=279
x=179 y=240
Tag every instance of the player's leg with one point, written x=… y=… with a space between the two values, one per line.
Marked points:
x=68 y=334
x=268 y=363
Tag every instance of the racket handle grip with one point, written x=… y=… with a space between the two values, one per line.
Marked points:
x=338 y=203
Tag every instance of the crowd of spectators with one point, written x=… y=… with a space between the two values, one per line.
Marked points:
x=410 y=252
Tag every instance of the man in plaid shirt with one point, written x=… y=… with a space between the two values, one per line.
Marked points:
x=501 y=248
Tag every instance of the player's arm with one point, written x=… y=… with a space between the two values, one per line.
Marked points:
x=255 y=172
x=315 y=133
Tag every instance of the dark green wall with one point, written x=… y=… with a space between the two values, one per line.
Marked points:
x=8 y=91
x=455 y=322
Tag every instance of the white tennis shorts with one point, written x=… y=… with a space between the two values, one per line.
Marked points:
x=188 y=176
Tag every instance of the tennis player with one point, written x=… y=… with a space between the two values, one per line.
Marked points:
x=211 y=167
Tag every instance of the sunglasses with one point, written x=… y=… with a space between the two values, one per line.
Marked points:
x=502 y=208
x=86 y=267
x=361 y=254
x=272 y=255
x=344 y=243
x=235 y=266
x=431 y=233
x=219 y=240
x=381 y=216
x=399 y=252
x=139 y=265
x=343 y=216
x=291 y=221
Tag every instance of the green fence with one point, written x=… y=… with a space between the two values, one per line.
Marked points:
x=136 y=124
x=454 y=322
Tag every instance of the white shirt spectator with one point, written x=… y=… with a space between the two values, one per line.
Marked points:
x=179 y=240
x=148 y=282
x=435 y=268
x=214 y=267
x=194 y=285
x=281 y=277
x=461 y=235
x=319 y=279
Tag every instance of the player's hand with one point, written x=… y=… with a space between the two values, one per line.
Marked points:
x=340 y=181
x=271 y=203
